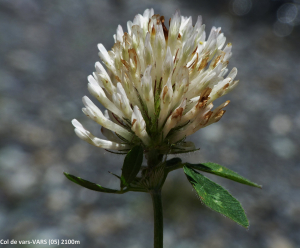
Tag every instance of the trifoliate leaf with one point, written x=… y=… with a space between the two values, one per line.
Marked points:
x=89 y=185
x=132 y=165
x=216 y=197
x=222 y=171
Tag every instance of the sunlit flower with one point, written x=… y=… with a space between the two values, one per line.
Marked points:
x=159 y=84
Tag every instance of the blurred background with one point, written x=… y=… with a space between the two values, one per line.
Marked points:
x=47 y=50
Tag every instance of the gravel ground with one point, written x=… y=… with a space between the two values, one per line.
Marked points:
x=48 y=48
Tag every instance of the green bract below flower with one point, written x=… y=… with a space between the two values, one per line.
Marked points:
x=159 y=85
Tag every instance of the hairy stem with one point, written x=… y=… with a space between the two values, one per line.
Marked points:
x=158 y=217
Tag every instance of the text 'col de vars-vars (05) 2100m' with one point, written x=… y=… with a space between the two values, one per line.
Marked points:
x=40 y=242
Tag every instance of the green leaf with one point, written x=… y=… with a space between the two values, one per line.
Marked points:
x=216 y=197
x=222 y=171
x=173 y=164
x=89 y=185
x=115 y=175
x=132 y=165
x=173 y=161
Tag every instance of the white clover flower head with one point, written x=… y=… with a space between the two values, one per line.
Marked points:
x=159 y=84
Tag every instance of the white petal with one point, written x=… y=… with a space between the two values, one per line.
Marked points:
x=147 y=91
x=129 y=27
x=232 y=74
x=148 y=53
x=101 y=120
x=120 y=33
x=228 y=52
x=77 y=124
x=126 y=108
x=100 y=70
x=193 y=126
x=105 y=144
x=106 y=58
x=173 y=31
x=186 y=29
x=139 y=117
x=138 y=126
x=138 y=19
x=174 y=118
x=198 y=24
x=221 y=41
x=89 y=113
x=98 y=92
x=85 y=135
x=167 y=66
x=147 y=13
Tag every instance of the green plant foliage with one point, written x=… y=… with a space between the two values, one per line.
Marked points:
x=173 y=161
x=132 y=165
x=89 y=185
x=222 y=171
x=216 y=197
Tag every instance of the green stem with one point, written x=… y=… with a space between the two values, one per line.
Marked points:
x=158 y=218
